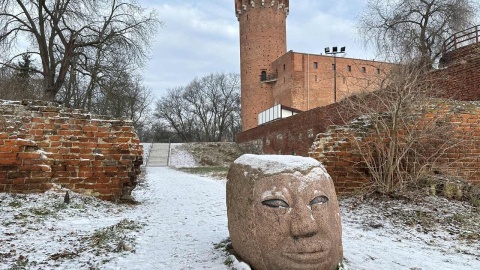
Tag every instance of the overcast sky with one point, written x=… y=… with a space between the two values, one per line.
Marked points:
x=201 y=36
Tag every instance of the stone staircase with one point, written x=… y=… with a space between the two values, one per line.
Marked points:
x=159 y=155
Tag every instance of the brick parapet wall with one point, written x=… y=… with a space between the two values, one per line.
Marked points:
x=458 y=55
x=292 y=135
x=42 y=144
x=459 y=75
x=342 y=159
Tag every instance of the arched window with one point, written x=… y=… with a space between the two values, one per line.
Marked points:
x=263 y=76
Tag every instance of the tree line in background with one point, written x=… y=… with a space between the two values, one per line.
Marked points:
x=207 y=109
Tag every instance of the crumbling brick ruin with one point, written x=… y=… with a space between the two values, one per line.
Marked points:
x=42 y=144
x=342 y=159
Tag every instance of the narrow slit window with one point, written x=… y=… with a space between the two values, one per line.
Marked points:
x=364 y=70
x=349 y=68
x=315 y=64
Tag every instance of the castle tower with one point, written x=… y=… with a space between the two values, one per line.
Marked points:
x=262 y=40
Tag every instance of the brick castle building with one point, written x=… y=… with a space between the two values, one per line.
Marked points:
x=294 y=81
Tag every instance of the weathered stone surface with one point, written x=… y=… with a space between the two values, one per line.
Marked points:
x=283 y=213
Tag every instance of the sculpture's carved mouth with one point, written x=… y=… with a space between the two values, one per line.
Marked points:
x=306 y=256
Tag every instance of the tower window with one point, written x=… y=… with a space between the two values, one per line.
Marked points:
x=364 y=70
x=378 y=71
x=263 y=76
x=315 y=64
x=333 y=66
x=349 y=68
x=284 y=67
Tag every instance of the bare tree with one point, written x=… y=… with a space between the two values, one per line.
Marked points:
x=20 y=83
x=415 y=29
x=158 y=131
x=207 y=109
x=63 y=30
x=397 y=143
x=174 y=110
x=124 y=95
x=213 y=99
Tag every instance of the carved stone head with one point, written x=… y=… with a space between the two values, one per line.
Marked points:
x=283 y=213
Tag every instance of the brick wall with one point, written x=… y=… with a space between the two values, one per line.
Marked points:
x=292 y=135
x=321 y=133
x=335 y=149
x=306 y=81
x=42 y=144
x=459 y=75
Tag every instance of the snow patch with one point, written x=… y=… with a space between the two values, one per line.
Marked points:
x=181 y=158
x=274 y=193
x=274 y=164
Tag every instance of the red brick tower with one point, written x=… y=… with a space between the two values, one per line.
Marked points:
x=263 y=39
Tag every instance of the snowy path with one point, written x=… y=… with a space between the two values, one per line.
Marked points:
x=184 y=215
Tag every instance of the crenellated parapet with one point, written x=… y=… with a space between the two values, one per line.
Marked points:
x=242 y=6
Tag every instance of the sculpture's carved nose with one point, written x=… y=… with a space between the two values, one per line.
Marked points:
x=303 y=223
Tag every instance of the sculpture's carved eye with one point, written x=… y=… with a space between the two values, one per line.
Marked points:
x=275 y=203
x=319 y=200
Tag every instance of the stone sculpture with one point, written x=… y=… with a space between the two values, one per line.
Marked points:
x=283 y=213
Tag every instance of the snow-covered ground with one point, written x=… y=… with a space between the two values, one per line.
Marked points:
x=179 y=158
x=185 y=215
x=396 y=234
x=180 y=217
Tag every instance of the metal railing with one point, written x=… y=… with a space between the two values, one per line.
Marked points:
x=461 y=39
x=268 y=77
